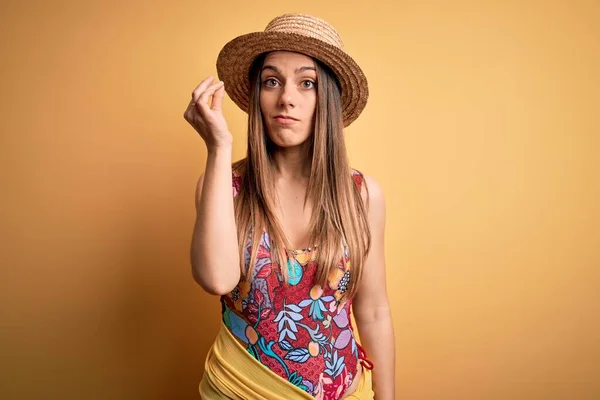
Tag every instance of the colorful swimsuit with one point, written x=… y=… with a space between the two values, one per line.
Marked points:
x=299 y=332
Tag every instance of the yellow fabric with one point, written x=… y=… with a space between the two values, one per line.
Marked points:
x=232 y=373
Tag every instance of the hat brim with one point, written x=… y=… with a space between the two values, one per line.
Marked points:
x=236 y=57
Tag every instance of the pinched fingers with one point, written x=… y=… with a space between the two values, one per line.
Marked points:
x=201 y=88
x=193 y=104
x=202 y=102
x=217 y=101
x=205 y=115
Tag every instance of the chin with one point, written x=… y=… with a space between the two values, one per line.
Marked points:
x=288 y=138
x=288 y=143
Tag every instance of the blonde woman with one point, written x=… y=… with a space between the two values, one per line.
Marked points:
x=291 y=237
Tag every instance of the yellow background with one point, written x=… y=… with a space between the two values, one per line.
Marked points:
x=482 y=127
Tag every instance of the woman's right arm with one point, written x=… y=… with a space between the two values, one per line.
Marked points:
x=214 y=249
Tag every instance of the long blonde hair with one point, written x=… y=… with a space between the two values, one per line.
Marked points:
x=339 y=217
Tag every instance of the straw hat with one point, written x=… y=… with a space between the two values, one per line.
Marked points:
x=302 y=34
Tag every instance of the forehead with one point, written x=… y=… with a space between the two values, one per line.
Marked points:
x=288 y=60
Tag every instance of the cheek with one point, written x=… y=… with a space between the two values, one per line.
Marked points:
x=266 y=100
x=268 y=95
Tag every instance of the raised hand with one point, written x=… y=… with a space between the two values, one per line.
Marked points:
x=205 y=113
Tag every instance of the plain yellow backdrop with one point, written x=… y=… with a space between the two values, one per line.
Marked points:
x=482 y=128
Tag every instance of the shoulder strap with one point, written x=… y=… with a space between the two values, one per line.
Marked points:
x=358 y=178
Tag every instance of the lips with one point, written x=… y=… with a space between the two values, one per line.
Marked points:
x=285 y=120
x=284 y=117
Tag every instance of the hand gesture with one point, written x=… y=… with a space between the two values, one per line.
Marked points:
x=206 y=115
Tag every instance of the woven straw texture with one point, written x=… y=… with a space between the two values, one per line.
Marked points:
x=299 y=33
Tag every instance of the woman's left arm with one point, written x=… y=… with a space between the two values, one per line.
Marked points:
x=371 y=307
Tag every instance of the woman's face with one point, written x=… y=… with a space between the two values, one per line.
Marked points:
x=288 y=97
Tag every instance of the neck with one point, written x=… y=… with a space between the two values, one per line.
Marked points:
x=292 y=163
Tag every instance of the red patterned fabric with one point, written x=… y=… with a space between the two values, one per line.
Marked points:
x=301 y=332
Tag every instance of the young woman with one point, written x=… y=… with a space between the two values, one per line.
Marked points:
x=290 y=237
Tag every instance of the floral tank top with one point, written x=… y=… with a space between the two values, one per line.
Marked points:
x=301 y=332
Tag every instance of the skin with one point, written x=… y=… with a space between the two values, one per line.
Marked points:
x=286 y=89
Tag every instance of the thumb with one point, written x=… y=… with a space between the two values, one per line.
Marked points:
x=217 y=100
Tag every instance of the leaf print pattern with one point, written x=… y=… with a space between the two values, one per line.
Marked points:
x=294 y=271
x=298 y=355
x=334 y=365
x=300 y=331
x=287 y=321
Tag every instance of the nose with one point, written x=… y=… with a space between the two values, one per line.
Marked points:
x=287 y=98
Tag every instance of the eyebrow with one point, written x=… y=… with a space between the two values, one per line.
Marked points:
x=298 y=70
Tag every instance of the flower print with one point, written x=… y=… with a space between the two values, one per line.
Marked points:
x=316 y=292
x=304 y=257
x=239 y=294
x=236 y=324
x=334 y=278
x=354 y=348
x=297 y=380
x=342 y=340
x=319 y=392
x=335 y=365
x=341 y=383
x=236 y=184
x=256 y=305
x=309 y=385
x=251 y=334
x=316 y=302
x=313 y=348
x=331 y=389
x=314 y=333
x=341 y=318
x=337 y=306
x=343 y=284
x=263 y=267
x=339 y=280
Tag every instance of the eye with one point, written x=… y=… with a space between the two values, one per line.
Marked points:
x=270 y=82
x=308 y=84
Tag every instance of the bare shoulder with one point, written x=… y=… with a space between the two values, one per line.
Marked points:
x=372 y=194
x=370 y=298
